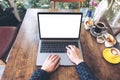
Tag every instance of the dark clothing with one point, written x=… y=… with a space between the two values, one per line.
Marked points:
x=39 y=74
x=84 y=72
x=82 y=69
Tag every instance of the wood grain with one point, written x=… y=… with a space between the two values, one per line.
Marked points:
x=22 y=60
x=1 y=63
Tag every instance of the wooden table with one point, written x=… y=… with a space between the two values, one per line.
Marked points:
x=21 y=63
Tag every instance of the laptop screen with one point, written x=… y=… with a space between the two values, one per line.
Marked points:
x=59 y=25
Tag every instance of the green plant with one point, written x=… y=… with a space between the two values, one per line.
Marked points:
x=87 y=3
x=4 y=4
x=61 y=5
x=73 y=5
x=20 y=4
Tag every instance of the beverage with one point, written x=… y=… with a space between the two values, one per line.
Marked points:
x=88 y=21
x=100 y=39
x=100 y=24
x=99 y=27
x=115 y=51
x=112 y=55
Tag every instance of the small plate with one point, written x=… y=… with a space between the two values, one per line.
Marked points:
x=111 y=58
x=107 y=43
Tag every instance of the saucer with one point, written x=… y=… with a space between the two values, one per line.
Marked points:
x=111 y=58
x=107 y=43
x=94 y=33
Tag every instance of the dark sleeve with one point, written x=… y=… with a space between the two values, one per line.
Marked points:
x=39 y=75
x=84 y=72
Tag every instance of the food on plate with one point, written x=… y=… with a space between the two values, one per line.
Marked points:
x=110 y=40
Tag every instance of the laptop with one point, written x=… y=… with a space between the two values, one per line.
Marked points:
x=56 y=31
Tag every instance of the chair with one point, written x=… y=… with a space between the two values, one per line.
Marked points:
x=7 y=38
x=80 y=1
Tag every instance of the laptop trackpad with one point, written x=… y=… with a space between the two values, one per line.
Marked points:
x=64 y=60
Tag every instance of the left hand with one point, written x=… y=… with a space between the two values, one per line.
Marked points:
x=51 y=63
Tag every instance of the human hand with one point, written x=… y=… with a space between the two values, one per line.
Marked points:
x=51 y=63
x=74 y=54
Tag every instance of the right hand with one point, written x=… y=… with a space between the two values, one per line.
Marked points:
x=74 y=54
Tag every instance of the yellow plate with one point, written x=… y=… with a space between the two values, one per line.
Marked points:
x=110 y=57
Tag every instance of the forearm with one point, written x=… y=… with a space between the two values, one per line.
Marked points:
x=84 y=72
x=39 y=74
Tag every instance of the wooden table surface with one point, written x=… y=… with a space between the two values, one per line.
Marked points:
x=22 y=60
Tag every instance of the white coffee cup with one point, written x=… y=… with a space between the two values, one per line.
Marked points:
x=115 y=51
x=88 y=24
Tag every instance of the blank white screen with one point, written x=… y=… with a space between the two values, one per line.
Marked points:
x=59 y=25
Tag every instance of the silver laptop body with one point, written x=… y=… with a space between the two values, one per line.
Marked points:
x=58 y=28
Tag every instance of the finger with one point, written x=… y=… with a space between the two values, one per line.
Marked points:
x=71 y=50
x=68 y=51
x=68 y=54
x=49 y=57
x=71 y=47
x=56 y=57
x=56 y=60
x=57 y=65
x=52 y=57
x=74 y=46
x=68 y=48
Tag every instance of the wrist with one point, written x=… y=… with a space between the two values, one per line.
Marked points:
x=42 y=68
x=79 y=61
x=46 y=69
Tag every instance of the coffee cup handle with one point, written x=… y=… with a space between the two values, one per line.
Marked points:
x=106 y=27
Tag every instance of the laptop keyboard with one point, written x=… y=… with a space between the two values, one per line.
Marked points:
x=54 y=47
